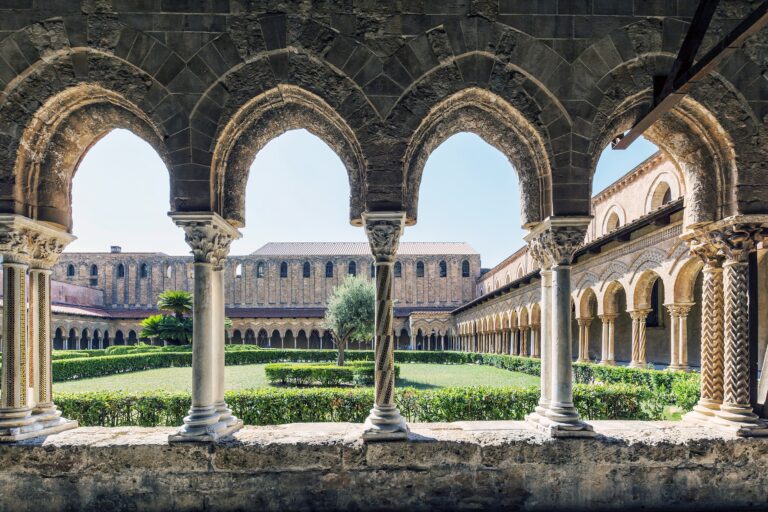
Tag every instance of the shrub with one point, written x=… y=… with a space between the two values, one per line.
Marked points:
x=686 y=392
x=270 y=406
x=360 y=373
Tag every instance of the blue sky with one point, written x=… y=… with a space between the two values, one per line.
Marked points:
x=298 y=191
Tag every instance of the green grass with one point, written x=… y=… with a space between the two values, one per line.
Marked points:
x=421 y=376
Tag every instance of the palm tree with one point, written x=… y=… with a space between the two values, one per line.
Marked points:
x=178 y=302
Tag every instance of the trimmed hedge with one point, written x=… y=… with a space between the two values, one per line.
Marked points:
x=358 y=373
x=678 y=388
x=269 y=406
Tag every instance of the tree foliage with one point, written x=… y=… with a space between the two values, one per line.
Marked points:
x=350 y=313
x=178 y=302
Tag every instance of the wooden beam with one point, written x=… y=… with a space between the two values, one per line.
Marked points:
x=686 y=79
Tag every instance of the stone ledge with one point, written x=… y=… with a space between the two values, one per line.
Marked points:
x=504 y=465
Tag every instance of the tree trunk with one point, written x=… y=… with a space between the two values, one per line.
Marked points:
x=340 y=358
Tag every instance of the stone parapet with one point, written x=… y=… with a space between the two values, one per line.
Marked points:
x=503 y=465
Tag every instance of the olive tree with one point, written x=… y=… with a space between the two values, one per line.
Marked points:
x=350 y=313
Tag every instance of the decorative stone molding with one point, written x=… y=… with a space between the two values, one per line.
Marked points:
x=208 y=235
x=556 y=240
x=384 y=230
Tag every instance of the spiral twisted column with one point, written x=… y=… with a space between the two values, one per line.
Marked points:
x=209 y=419
x=735 y=241
x=385 y=423
x=638 y=337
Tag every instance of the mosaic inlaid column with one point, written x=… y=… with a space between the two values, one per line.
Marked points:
x=209 y=237
x=736 y=241
x=45 y=248
x=553 y=244
x=385 y=423
x=607 y=351
x=23 y=240
x=638 y=337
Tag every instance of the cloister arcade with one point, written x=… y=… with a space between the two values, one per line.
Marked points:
x=208 y=107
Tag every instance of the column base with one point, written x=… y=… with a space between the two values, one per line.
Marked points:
x=385 y=424
x=20 y=424
x=608 y=362
x=739 y=420
x=678 y=368
x=203 y=425
x=225 y=414
x=702 y=413
x=637 y=364
x=562 y=420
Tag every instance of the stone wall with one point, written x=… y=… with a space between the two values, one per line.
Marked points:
x=457 y=466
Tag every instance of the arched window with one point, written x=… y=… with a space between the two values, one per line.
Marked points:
x=612 y=223
x=70 y=270
x=398 y=269
x=283 y=269
x=307 y=270
x=239 y=270
x=329 y=269
x=121 y=270
x=661 y=196
x=465 y=268
x=94 y=271
x=144 y=272
x=667 y=197
x=352 y=268
x=260 y=269
x=168 y=271
x=373 y=270
x=443 y=269
x=419 y=269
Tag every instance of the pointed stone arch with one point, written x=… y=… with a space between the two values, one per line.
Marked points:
x=265 y=117
x=502 y=126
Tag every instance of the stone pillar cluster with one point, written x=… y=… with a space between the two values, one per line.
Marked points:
x=553 y=244
x=638 y=337
x=678 y=314
x=608 y=338
x=209 y=237
x=724 y=247
x=584 y=324
x=29 y=249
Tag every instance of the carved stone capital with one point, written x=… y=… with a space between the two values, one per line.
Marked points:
x=23 y=240
x=208 y=236
x=679 y=310
x=556 y=240
x=639 y=314
x=732 y=238
x=608 y=317
x=384 y=230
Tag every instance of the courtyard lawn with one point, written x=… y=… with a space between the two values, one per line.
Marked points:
x=421 y=376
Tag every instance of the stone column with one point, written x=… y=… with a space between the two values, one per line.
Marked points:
x=553 y=243
x=678 y=314
x=535 y=340
x=384 y=422
x=209 y=237
x=736 y=239
x=584 y=323
x=26 y=402
x=607 y=353
x=638 y=337
x=712 y=333
x=524 y=341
